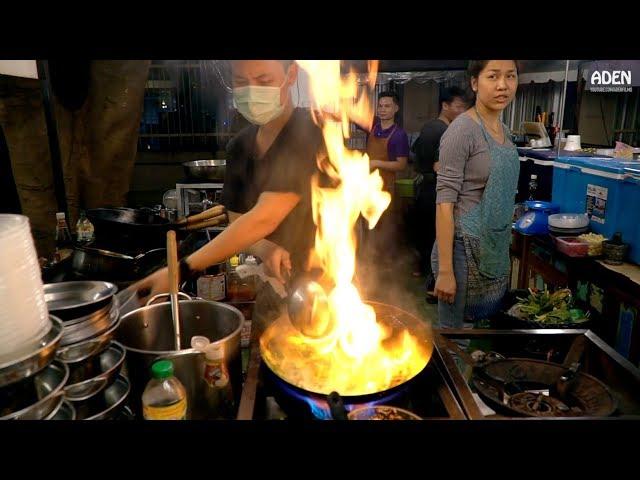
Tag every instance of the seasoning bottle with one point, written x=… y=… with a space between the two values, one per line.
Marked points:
x=218 y=393
x=64 y=241
x=164 y=397
x=84 y=229
x=212 y=285
x=233 y=279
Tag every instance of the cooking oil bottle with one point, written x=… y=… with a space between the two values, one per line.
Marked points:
x=164 y=397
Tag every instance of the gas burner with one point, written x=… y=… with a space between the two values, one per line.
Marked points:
x=535 y=388
x=301 y=404
x=539 y=405
x=266 y=397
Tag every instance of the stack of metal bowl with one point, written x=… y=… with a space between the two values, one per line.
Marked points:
x=31 y=380
x=89 y=311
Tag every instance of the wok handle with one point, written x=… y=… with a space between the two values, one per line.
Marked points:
x=209 y=213
x=211 y=222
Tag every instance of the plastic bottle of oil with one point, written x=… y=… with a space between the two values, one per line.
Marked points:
x=164 y=397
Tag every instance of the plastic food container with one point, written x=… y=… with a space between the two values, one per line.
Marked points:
x=572 y=246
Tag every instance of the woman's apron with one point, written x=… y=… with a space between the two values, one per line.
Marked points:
x=486 y=231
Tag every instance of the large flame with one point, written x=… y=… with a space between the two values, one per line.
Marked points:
x=358 y=354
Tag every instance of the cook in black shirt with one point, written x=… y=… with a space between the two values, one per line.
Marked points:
x=267 y=188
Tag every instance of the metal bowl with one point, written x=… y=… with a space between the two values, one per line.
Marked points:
x=34 y=398
x=33 y=358
x=65 y=411
x=78 y=352
x=90 y=377
x=106 y=405
x=90 y=317
x=207 y=169
x=70 y=300
x=82 y=331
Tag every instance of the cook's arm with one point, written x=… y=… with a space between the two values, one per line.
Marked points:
x=262 y=248
x=245 y=230
x=392 y=166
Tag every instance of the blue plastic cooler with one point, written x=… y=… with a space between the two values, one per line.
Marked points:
x=607 y=189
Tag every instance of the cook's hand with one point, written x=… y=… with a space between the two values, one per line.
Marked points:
x=277 y=261
x=154 y=284
x=373 y=164
x=436 y=166
x=445 y=288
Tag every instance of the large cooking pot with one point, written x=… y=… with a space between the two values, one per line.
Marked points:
x=147 y=334
x=206 y=169
x=291 y=387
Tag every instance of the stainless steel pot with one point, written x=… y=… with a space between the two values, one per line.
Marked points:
x=147 y=334
x=206 y=169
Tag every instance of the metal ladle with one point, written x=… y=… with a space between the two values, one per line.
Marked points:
x=304 y=292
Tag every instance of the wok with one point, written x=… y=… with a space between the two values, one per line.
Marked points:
x=386 y=314
x=107 y=265
x=144 y=227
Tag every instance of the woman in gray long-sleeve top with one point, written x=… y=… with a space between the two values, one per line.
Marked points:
x=476 y=188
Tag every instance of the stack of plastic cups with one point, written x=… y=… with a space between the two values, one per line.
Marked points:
x=24 y=319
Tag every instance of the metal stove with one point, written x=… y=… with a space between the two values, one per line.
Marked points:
x=428 y=395
x=539 y=374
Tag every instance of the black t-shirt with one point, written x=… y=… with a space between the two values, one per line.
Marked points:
x=427 y=145
x=287 y=166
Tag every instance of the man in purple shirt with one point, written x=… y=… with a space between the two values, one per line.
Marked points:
x=395 y=140
x=388 y=151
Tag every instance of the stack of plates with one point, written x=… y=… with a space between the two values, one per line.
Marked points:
x=569 y=223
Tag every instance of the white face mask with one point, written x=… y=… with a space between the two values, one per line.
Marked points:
x=258 y=104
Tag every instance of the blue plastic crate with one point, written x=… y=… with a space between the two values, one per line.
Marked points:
x=607 y=189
